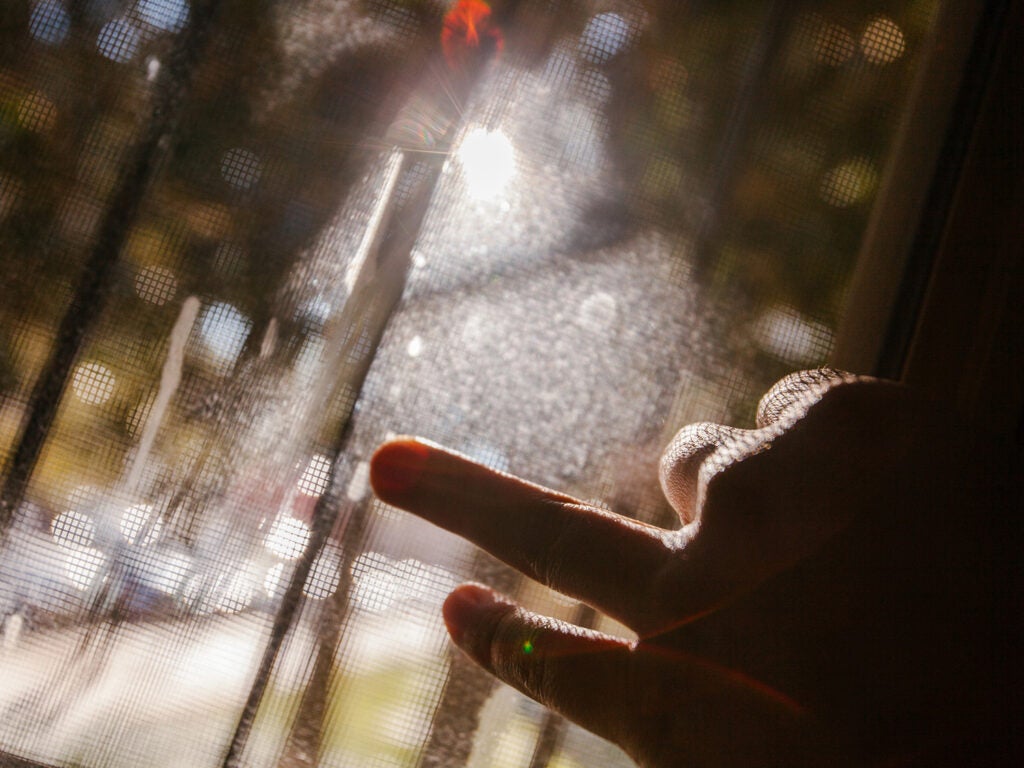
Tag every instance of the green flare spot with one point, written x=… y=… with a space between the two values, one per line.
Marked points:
x=528 y=646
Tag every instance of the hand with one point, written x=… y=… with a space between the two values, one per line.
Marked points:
x=829 y=598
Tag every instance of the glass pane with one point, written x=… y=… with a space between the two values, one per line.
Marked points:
x=242 y=243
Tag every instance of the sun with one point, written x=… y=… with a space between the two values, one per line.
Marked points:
x=488 y=162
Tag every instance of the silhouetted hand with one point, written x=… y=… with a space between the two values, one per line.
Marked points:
x=837 y=593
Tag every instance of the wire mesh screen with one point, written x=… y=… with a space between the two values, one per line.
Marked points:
x=244 y=241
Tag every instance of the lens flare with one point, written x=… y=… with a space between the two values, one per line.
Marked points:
x=469 y=32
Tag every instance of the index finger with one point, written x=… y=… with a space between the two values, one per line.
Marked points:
x=604 y=559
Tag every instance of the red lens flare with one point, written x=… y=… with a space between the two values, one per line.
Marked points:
x=468 y=33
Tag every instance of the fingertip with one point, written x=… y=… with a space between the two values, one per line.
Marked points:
x=565 y=667
x=396 y=468
x=465 y=610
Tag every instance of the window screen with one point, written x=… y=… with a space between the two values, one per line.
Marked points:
x=244 y=241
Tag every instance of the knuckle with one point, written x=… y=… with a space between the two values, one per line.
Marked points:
x=561 y=542
x=516 y=656
x=794 y=393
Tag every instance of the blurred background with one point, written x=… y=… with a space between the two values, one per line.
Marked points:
x=244 y=241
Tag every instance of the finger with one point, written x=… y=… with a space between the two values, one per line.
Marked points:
x=604 y=559
x=661 y=704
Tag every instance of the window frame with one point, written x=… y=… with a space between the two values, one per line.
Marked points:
x=938 y=305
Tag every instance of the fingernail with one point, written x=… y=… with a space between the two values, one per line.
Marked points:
x=464 y=610
x=396 y=468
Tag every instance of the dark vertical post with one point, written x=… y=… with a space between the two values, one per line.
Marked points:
x=752 y=91
x=98 y=272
